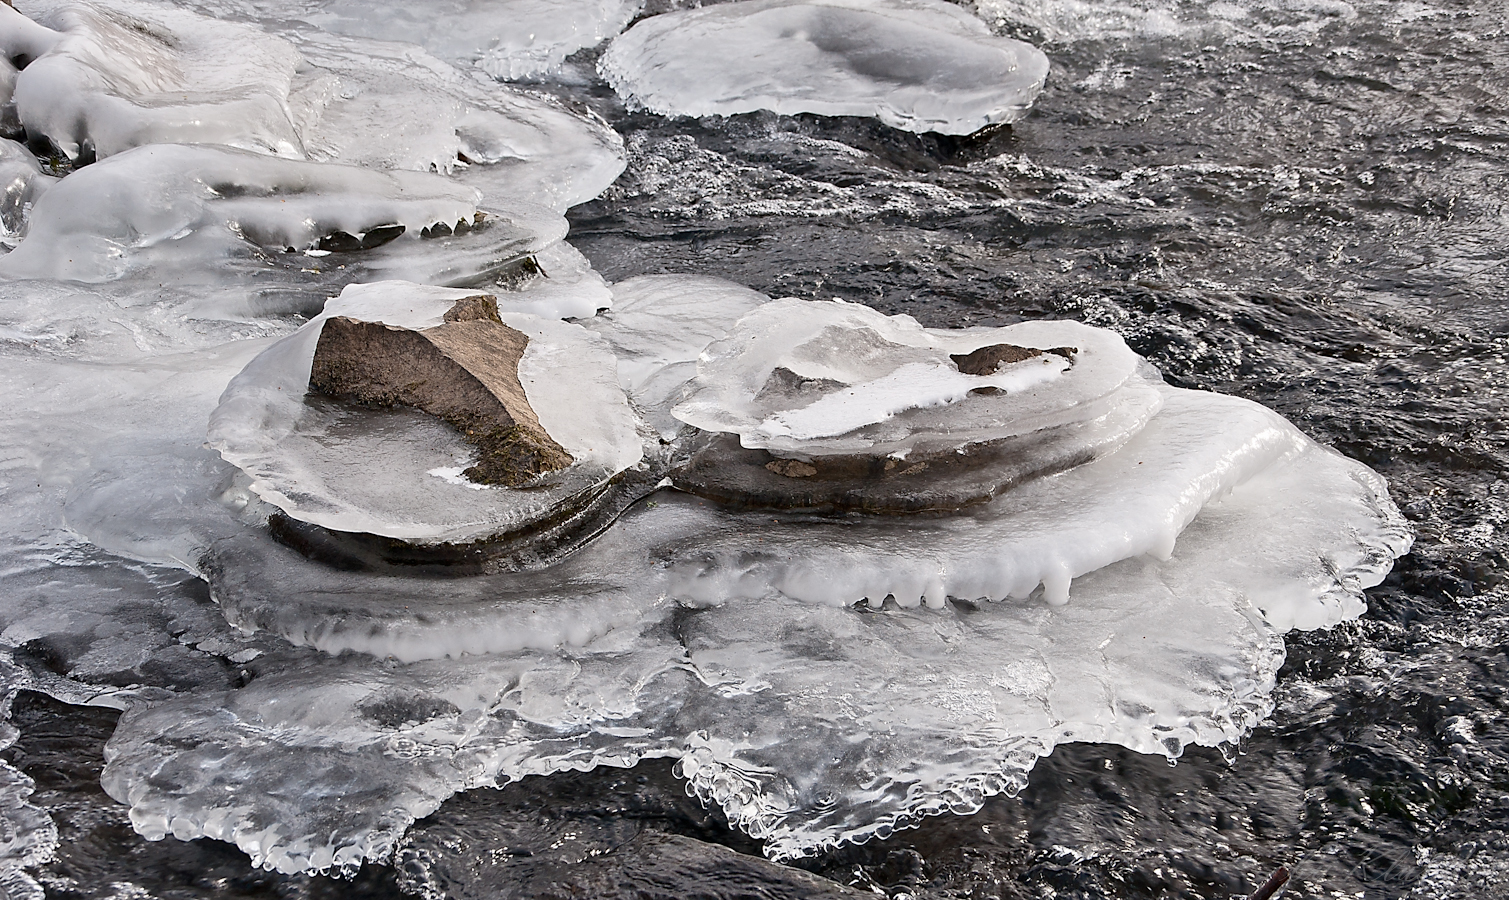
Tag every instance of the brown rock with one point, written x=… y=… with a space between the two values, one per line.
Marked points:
x=791 y=468
x=465 y=372
x=986 y=360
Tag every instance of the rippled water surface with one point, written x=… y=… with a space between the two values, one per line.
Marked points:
x=1301 y=202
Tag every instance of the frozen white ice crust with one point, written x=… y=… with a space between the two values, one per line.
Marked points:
x=917 y=65
x=166 y=209
x=103 y=78
x=883 y=385
x=394 y=473
x=112 y=77
x=826 y=679
x=808 y=724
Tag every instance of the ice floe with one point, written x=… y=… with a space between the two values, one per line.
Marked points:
x=918 y=65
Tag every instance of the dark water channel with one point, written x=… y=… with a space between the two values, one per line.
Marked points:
x=1304 y=205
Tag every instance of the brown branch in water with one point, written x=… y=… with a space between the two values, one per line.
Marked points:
x=1272 y=886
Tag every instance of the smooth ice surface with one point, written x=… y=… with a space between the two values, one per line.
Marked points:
x=507 y=39
x=21 y=184
x=391 y=105
x=103 y=78
x=876 y=384
x=808 y=724
x=383 y=472
x=658 y=327
x=918 y=65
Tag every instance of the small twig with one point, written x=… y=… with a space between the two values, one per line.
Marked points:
x=1272 y=886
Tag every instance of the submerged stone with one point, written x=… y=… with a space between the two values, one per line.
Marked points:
x=465 y=372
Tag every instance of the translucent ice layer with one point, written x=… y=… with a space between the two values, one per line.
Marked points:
x=918 y=65
x=386 y=105
x=21 y=184
x=658 y=327
x=808 y=724
x=319 y=460
x=101 y=78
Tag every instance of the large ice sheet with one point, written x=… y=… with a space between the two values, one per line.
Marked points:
x=918 y=65
x=807 y=724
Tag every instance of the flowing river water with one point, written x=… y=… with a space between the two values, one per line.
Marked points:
x=1300 y=202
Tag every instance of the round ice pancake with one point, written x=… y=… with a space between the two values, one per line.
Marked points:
x=396 y=473
x=918 y=65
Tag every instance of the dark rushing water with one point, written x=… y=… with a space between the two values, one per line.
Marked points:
x=1304 y=206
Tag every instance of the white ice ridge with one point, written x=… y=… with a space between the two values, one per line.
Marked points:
x=911 y=386
x=101 y=78
x=814 y=378
x=371 y=472
x=917 y=65
x=178 y=207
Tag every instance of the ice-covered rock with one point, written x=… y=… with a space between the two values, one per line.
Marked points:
x=918 y=65
x=98 y=79
x=315 y=459
x=464 y=371
x=834 y=406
